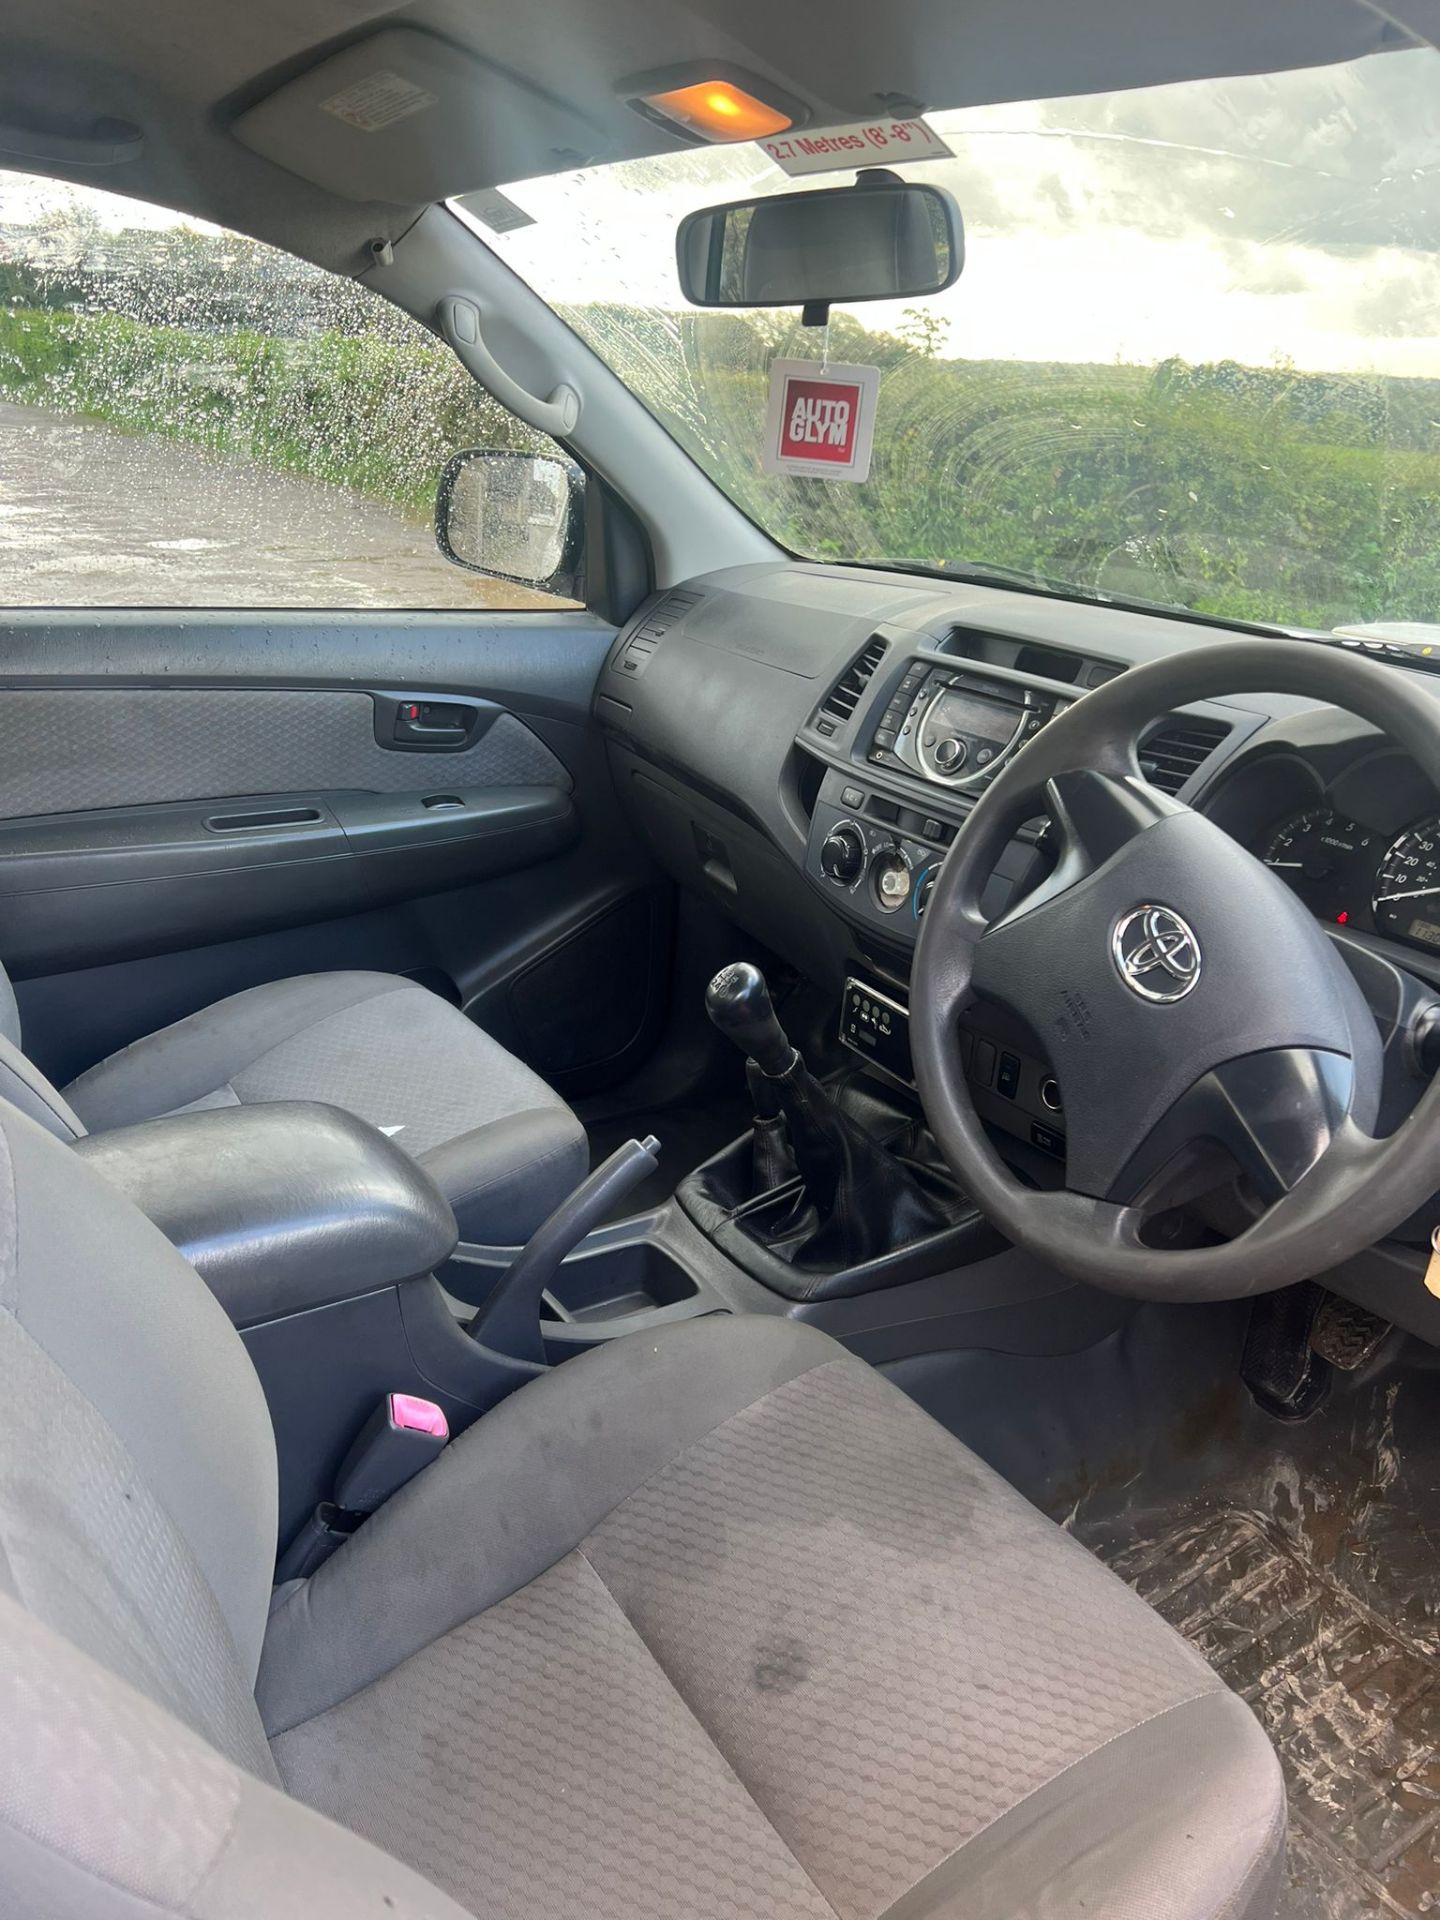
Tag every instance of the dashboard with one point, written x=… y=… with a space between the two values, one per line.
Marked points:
x=780 y=723
x=1357 y=839
x=785 y=722
x=801 y=744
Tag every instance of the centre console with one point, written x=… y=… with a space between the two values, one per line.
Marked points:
x=923 y=743
x=922 y=759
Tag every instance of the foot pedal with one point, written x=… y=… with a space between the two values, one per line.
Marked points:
x=1286 y=1377
x=1345 y=1334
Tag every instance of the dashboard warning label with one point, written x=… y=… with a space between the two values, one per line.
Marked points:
x=821 y=420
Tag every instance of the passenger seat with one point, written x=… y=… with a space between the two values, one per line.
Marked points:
x=500 y=1143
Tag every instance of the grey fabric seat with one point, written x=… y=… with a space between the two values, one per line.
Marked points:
x=715 y=1623
x=501 y=1145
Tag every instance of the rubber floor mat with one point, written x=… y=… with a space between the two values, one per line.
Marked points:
x=1351 y=1703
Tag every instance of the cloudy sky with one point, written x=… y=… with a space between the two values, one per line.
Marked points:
x=1292 y=218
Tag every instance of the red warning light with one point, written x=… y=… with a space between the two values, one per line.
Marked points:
x=1342 y=919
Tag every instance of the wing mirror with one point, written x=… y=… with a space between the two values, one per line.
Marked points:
x=515 y=516
x=882 y=239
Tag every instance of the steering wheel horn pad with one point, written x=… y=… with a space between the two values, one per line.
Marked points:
x=1254 y=1033
x=1267 y=979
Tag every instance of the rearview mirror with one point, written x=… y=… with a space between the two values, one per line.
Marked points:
x=882 y=239
x=516 y=516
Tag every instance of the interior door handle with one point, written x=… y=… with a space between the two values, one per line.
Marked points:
x=417 y=722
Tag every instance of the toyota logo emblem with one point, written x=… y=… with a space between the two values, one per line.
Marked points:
x=1156 y=954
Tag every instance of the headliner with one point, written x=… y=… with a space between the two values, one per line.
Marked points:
x=183 y=70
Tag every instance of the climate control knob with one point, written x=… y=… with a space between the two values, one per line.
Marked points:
x=842 y=855
x=950 y=754
x=893 y=879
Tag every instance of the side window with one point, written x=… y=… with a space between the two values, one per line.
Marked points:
x=191 y=419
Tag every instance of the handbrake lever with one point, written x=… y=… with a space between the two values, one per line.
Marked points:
x=509 y=1321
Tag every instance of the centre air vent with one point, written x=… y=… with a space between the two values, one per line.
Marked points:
x=844 y=696
x=1177 y=750
x=652 y=629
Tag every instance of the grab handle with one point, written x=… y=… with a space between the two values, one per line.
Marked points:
x=460 y=323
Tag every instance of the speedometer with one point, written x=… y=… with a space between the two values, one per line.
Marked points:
x=1407 y=891
x=1320 y=854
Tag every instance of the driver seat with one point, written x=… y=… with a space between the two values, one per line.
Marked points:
x=710 y=1624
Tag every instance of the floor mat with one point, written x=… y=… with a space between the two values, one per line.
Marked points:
x=1351 y=1704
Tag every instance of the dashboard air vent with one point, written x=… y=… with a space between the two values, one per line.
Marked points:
x=652 y=629
x=844 y=696
x=1178 y=749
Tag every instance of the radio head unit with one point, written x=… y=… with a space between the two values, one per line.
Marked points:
x=957 y=729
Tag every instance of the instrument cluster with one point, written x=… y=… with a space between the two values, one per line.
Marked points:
x=1355 y=875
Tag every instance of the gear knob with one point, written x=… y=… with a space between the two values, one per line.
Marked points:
x=738 y=1001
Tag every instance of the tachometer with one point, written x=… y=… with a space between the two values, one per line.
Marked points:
x=1407 y=891
x=1319 y=854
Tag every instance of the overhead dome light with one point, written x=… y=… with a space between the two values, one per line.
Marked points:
x=718 y=110
x=713 y=101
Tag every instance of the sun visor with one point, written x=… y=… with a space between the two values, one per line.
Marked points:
x=407 y=118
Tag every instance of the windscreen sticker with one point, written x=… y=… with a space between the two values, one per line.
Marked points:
x=866 y=144
x=378 y=101
x=821 y=420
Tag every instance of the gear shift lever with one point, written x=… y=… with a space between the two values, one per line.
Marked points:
x=858 y=1201
x=738 y=1001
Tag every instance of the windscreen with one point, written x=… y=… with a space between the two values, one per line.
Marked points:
x=1193 y=358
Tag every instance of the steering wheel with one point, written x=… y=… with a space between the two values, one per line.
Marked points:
x=1186 y=999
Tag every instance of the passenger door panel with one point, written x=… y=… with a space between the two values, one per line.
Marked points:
x=191 y=804
x=67 y=749
x=78 y=889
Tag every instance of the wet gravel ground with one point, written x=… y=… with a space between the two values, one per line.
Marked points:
x=90 y=516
